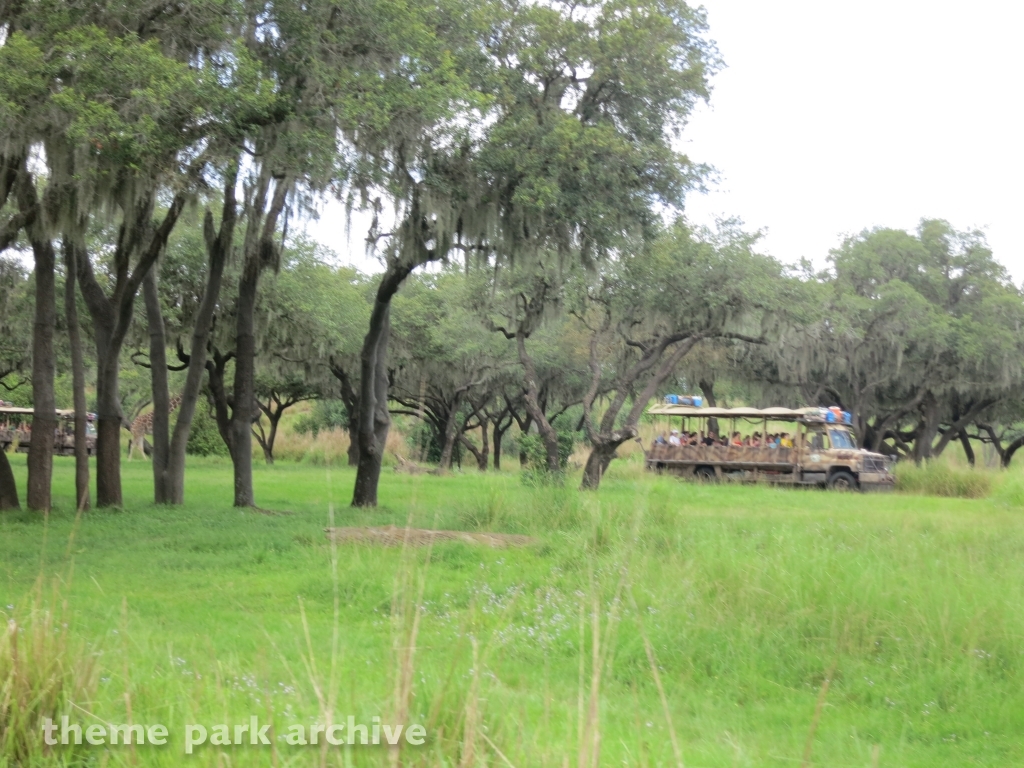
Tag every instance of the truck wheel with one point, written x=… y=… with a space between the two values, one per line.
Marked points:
x=705 y=475
x=842 y=481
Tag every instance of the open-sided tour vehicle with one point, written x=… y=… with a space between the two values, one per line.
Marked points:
x=15 y=428
x=824 y=450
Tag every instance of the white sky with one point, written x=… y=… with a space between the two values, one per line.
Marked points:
x=833 y=117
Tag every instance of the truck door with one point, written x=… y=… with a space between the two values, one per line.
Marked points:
x=815 y=445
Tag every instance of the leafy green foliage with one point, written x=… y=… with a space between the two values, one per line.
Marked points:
x=204 y=439
x=536 y=457
x=325 y=415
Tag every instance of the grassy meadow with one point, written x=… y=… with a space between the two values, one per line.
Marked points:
x=652 y=623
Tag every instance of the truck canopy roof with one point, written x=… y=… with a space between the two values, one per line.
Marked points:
x=772 y=414
x=62 y=413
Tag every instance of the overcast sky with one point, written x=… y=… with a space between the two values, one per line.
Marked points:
x=834 y=117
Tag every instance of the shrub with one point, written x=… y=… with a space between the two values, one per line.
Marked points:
x=325 y=415
x=429 y=443
x=935 y=478
x=532 y=445
x=536 y=454
x=204 y=438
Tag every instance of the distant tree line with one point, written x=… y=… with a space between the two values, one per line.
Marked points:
x=525 y=151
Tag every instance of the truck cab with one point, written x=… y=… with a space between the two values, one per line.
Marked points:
x=828 y=455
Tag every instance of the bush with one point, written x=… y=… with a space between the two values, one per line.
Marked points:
x=325 y=415
x=532 y=445
x=935 y=478
x=204 y=438
x=429 y=443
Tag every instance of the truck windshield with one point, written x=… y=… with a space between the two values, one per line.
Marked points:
x=842 y=439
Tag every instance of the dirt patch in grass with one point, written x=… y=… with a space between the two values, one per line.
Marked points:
x=393 y=536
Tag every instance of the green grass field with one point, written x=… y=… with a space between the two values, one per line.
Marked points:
x=746 y=599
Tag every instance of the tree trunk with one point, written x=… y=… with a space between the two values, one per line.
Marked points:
x=244 y=390
x=484 y=456
x=928 y=429
x=218 y=246
x=260 y=253
x=1011 y=449
x=266 y=441
x=600 y=457
x=451 y=433
x=77 y=378
x=161 y=395
x=707 y=388
x=606 y=438
x=965 y=441
x=268 y=445
x=8 y=488
x=530 y=399
x=374 y=419
x=499 y=435
x=218 y=397
x=480 y=455
x=112 y=318
x=353 y=447
x=351 y=400
x=960 y=423
x=44 y=417
x=108 y=431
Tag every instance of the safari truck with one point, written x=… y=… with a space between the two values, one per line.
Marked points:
x=14 y=429
x=824 y=450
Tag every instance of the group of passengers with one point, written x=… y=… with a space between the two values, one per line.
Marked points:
x=756 y=440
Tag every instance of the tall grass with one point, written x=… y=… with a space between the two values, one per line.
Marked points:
x=655 y=621
x=942 y=478
x=45 y=671
x=330 y=447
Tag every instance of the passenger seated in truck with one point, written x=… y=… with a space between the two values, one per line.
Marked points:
x=736 y=439
x=660 y=439
x=785 y=441
x=673 y=439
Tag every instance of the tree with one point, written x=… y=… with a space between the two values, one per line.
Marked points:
x=112 y=114
x=578 y=162
x=447 y=359
x=421 y=164
x=918 y=337
x=274 y=397
x=311 y=317
x=14 y=342
x=82 y=496
x=647 y=311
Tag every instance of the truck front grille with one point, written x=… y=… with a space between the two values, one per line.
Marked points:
x=875 y=464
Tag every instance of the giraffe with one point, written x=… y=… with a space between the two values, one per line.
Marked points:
x=143 y=425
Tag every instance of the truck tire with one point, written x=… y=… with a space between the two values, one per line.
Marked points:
x=705 y=475
x=842 y=480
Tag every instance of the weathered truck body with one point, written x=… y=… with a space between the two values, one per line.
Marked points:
x=14 y=429
x=824 y=453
